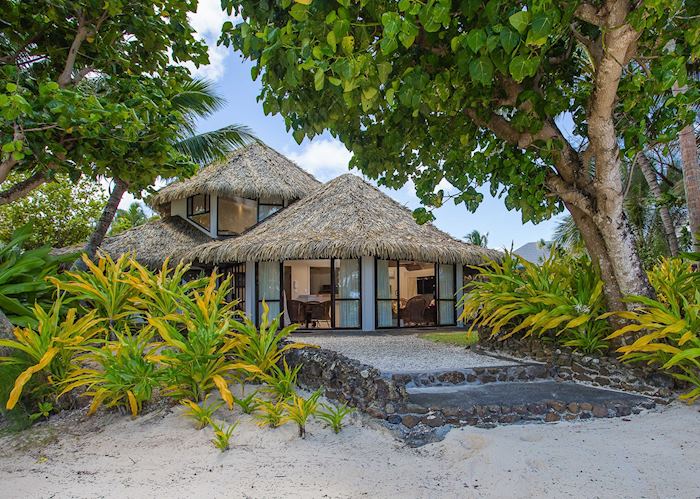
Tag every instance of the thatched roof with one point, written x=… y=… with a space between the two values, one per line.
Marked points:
x=346 y=218
x=254 y=171
x=152 y=242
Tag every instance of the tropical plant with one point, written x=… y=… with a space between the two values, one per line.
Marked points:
x=125 y=374
x=282 y=381
x=197 y=358
x=299 y=409
x=44 y=411
x=262 y=347
x=159 y=293
x=104 y=287
x=561 y=299
x=477 y=238
x=129 y=218
x=23 y=276
x=248 y=404
x=668 y=325
x=61 y=213
x=46 y=352
x=222 y=435
x=333 y=415
x=200 y=413
x=271 y=414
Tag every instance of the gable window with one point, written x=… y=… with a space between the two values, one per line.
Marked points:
x=235 y=215
x=198 y=210
x=267 y=207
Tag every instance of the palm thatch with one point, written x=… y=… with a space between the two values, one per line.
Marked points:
x=255 y=171
x=152 y=242
x=346 y=218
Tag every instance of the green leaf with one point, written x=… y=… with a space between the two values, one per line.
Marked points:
x=476 y=39
x=383 y=70
x=406 y=40
x=521 y=67
x=298 y=136
x=541 y=28
x=319 y=79
x=481 y=70
x=11 y=87
x=520 y=20
x=388 y=45
x=392 y=23
x=348 y=44
x=509 y=40
x=330 y=38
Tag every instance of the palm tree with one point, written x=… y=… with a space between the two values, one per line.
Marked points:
x=132 y=217
x=477 y=238
x=196 y=101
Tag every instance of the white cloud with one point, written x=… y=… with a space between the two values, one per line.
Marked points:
x=207 y=23
x=323 y=158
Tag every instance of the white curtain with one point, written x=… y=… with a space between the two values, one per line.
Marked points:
x=446 y=291
x=384 y=316
x=348 y=288
x=269 y=287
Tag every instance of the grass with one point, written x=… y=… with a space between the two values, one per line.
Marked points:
x=458 y=338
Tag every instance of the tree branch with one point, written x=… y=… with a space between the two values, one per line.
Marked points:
x=21 y=189
x=7 y=165
x=588 y=13
x=66 y=77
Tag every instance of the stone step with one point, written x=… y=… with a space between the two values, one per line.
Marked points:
x=474 y=376
x=517 y=402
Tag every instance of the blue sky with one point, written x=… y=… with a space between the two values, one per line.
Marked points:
x=326 y=157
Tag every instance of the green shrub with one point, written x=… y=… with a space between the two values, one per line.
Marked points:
x=23 y=276
x=299 y=409
x=44 y=354
x=561 y=300
x=126 y=373
x=262 y=347
x=668 y=325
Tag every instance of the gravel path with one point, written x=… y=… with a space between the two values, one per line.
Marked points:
x=402 y=353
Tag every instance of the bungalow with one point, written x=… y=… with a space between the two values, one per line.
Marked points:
x=340 y=255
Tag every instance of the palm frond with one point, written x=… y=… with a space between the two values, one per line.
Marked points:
x=198 y=98
x=206 y=147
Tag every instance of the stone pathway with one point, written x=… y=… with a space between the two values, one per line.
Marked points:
x=404 y=353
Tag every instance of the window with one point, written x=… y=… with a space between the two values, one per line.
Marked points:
x=269 y=277
x=236 y=273
x=235 y=215
x=267 y=207
x=198 y=210
x=446 y=295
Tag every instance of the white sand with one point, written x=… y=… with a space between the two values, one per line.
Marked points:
x=654 y=455
x=402 y=353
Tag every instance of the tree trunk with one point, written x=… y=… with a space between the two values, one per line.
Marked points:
x=6 y=329
x=98 y=235
x=650 y=176
x=691 y=176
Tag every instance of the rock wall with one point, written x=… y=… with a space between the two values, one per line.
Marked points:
x=568 y=365
x=347 y=380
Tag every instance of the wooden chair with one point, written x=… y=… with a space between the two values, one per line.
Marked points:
x=296 y=311
x=414 y=311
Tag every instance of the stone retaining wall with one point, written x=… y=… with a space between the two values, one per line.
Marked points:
x=476 y=375
x=567 y=365
x=347 y=380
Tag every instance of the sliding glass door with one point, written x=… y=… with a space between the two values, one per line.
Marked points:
x=317 y=294
x=414 y=294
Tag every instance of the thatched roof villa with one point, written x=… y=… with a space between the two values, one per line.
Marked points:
x=340 y=255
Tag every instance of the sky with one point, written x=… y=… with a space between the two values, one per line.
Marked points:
x=326 y=157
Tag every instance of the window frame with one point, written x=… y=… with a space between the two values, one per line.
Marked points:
x=207 y=211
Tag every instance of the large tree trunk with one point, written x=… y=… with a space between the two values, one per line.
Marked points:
x=650 y=176
x=98 y=235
